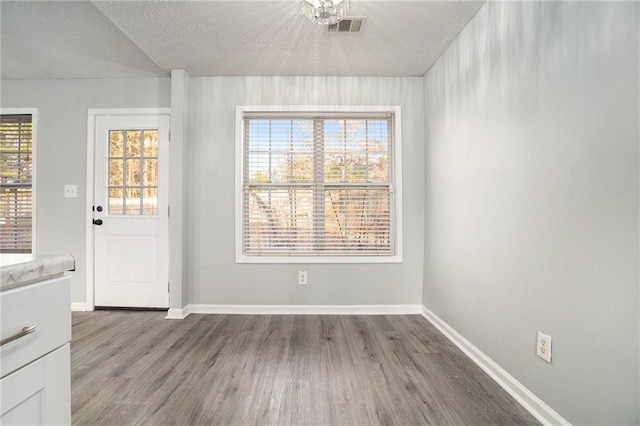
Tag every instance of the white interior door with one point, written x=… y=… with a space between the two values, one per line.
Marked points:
x=131 y=211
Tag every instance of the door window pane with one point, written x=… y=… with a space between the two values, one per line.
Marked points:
x=115 y=201
x=116 y=144
x=133 y=172
x=133 y=143
x=150 y=172
x=150 y=143
x=116 y=171
x=132 y=202
x=150 y=202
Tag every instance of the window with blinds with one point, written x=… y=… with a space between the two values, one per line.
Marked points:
x=16 y=192
x=318 y=184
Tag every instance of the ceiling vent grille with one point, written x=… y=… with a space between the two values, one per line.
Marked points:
x=347 y=25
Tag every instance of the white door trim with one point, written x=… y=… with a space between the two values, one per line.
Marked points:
x=90 y=240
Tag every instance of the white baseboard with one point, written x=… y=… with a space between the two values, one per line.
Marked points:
x=79 y=307
x=305 y=309
x=534 y=405
x=177 y=313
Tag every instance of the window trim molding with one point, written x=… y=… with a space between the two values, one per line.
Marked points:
x=34 y=168
x=397 y=183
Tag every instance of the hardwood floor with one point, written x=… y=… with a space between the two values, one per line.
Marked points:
x=132 y=367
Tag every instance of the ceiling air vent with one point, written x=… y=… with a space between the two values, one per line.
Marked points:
x=347 y=25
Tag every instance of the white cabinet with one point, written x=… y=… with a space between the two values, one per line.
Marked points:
x=35 y=368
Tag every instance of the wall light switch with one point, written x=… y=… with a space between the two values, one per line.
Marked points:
x=71 y=191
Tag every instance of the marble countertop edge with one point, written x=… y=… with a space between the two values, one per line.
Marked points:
x=21 y=269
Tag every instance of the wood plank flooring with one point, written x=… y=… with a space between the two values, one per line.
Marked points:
x=132 y=367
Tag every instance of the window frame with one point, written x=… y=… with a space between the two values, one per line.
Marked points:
x=34 y=162
x=396 y=184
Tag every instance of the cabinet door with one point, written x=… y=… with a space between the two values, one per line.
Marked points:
x=21 y=395
x=39 y=393
x=56 y=398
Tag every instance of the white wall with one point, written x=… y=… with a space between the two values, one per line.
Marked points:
x=532 y=198
x=215 y=278
x=62 y=151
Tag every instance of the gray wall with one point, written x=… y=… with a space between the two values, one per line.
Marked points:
x=215 y=278
x=178 y=189
x=532 y=198
x=213 y=275
x=62 y=151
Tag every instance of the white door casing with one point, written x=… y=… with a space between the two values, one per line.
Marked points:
x=130 y=211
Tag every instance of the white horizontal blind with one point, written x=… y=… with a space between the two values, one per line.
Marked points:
x=16 y=163
x=317 y=185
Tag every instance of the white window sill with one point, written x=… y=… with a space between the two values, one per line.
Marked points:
x=319 y=259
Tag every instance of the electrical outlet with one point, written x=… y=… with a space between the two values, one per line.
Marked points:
x=71 y=191
x=302 y=278
x=543 y=347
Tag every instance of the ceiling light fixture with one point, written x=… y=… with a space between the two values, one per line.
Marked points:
x=324 y=12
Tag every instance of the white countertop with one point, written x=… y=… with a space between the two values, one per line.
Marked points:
x=21 y=269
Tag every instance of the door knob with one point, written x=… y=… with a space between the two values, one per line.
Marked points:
x=97 y=221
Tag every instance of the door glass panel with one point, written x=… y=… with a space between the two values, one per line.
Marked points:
x=115 y=172
x=150 y=143
x=133 y=143
x=133 y=172
x=150 y=203
x=115 y=201
x=133 y=202
x=150 y=172
x=116 y=144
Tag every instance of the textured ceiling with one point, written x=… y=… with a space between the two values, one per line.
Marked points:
x=101 y=39
x=66 y=40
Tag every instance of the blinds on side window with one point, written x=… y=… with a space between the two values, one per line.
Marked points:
x=16 y=195
x=318 y=185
